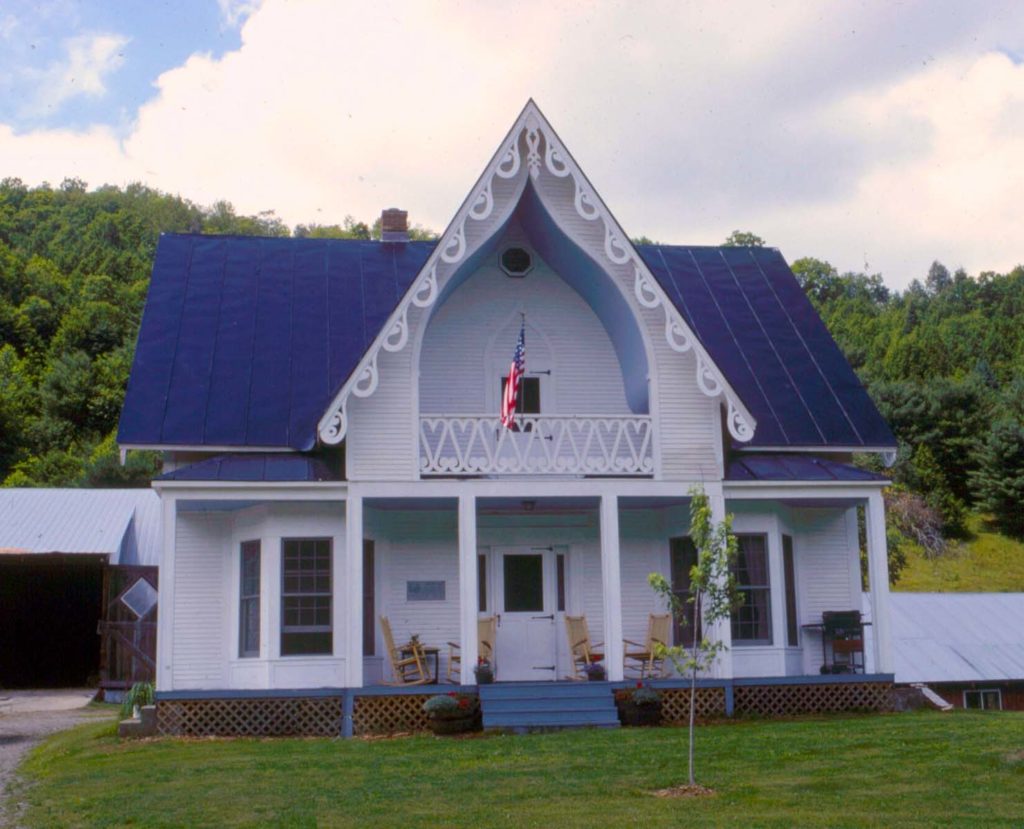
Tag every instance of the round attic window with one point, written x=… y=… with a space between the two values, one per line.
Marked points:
x=516 y=262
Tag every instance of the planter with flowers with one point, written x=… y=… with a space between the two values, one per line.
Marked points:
x=638 y=706
x=595 y=671
x=484 y=671
x=452 y=713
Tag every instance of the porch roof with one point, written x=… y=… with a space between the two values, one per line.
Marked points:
x=771 y=467
x=263 y=467
x=245 y=341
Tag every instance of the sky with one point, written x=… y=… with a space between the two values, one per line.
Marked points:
x=879 y=136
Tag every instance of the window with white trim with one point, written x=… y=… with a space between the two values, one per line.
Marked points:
x=752 y=617
x=986 y=699
x=306 y=596
x=249 y=600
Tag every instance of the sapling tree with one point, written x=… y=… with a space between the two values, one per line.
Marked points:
x=708 y=602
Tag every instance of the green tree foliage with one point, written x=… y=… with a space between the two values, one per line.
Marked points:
x=944 y=361
x=743 y=239
x=999 y=477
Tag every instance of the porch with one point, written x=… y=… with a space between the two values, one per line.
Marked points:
x=528 y=553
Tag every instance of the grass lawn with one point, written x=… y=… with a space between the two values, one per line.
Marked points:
x=987 y=561
x=922 y=769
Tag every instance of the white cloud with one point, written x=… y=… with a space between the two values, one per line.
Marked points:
x=883 y=133
x=234 y=12
x=87 y=61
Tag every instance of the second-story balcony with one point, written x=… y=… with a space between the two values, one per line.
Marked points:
x=602 y=445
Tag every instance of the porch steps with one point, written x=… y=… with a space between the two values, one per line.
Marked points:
x=528 y=706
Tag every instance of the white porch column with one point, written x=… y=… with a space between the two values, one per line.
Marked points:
x=468 y=596
x=352 y=592
x=165 y=625
x=878 y=575
x=611 y=584
x=722 y=630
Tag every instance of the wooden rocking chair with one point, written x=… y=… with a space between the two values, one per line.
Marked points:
x=486 y=632
x=644 y=657
x=581 y=650
x=408 y=664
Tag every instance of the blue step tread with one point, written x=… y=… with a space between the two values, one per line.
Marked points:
x=549 y=718
x=542 y=705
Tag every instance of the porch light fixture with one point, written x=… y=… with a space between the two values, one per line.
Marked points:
x=516 y=262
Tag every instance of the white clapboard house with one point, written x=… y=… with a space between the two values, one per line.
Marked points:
x=329 y=415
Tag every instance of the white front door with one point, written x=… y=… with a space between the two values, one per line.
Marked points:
x=525 y=594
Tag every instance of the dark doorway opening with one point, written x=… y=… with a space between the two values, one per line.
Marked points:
x=50 y=606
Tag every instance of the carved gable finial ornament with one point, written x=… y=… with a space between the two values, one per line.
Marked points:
x=471 y=227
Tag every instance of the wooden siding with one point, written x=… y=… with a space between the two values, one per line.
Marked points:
x=200 y=615
x=825 y=549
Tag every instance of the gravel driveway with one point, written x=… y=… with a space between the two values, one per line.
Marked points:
x=26 y=717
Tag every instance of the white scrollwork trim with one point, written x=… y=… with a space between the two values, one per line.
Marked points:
x=533 y=150
x=398 y=336
x=425 y=300
x=644 y=290
x=367 y=382
x=888 y=458
x=455 y=249
x=739 y=428
x=334 y=430
x=585 y=203
x=613 y=247
x=553 y=159
x=677 y=336
x=483 y=205
x=707 y=379
x=510 y=161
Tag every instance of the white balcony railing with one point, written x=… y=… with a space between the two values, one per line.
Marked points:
x=543 y=445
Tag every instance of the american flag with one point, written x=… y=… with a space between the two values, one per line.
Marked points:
x=510 y=397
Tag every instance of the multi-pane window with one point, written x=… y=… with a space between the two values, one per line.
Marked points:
x=988 y=699
x=249 y=600
x=752 y=618
x=306 y=596
x=683 y=557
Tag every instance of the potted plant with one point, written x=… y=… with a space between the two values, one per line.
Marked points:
x=484 y=671
x=452 y=713
x=638 y=706
x=595 y=671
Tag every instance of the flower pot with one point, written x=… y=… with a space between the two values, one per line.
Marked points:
x=484 y=677
x=636 y=715
x=453 y=725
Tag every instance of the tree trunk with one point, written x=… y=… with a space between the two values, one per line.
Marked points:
x=693 y=683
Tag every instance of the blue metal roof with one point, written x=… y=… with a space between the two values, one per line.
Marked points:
x=764 y=335
x=772 y=467
x=245 y=341
x=279 y=467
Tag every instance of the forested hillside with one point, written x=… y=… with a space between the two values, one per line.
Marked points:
x=943 y=359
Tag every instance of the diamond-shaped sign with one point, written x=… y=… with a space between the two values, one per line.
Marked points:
x=140 y=598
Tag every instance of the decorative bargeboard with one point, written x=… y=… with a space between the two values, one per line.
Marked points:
x=542 y=444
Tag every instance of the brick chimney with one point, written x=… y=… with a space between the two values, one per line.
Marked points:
x=394 y=225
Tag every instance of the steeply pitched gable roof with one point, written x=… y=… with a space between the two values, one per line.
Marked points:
x=245 y=341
